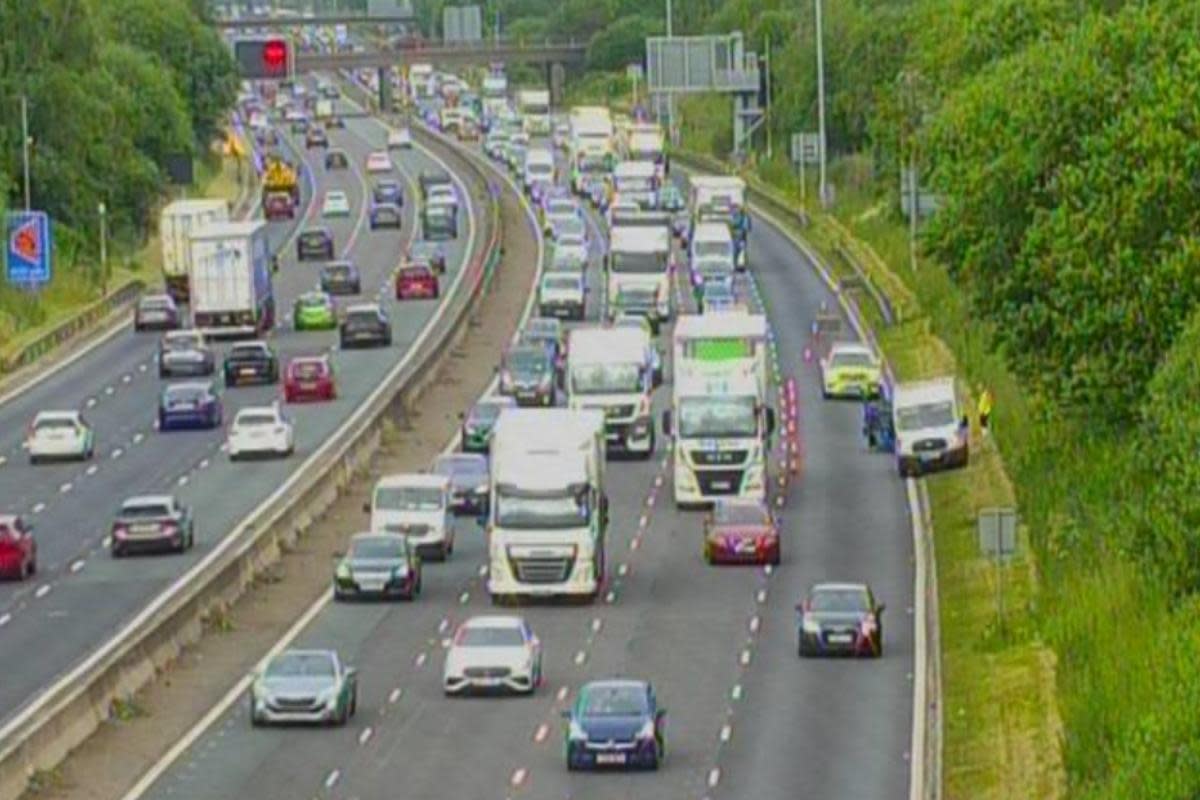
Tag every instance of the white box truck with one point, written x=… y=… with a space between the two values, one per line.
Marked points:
x=549 y=511
x=534 y=107
x=175 y=226
x=230 y=279
x=610 y=370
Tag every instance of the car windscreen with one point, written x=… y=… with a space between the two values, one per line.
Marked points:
x=246 y=354
x=526 y=360
x=850 y=359
x=308 y=369
x=180 y=343
x=314 y=301
x=635 y=184
x=840 y=600
x=569 y=226
x=362 y=319
x=712 y=417
x=606 y=378
x=740 y=514
x=314 y=238
x=301 y=665
x=560 y=207
x=645 y=263
x=246 y=419
x=489 y=637
x=144 y=510
x=539 y=168
x=561 y=282
x=408 y=498
x=339 y=272
x=614 y=701
x=378 y=548
x=715 y=267
x=415 y=273
x=54 y=423
x=548 y=511
x=156 y=303
x=926 y=415
x=702 y=249
x=182 y=393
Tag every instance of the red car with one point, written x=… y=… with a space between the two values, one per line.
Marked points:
x=741 y=531
x=416 y=281
x=309 y=378
x=18 y=550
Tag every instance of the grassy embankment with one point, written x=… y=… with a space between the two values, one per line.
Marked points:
x=1002 y=726
x=25 y=316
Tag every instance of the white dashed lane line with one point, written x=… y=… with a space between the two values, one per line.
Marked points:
x=77 y=565
x=42 y=591
x=39 y=508
x=332 y=778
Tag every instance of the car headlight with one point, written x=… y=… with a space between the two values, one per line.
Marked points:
x=811 y=626
x=647 y=731
x=344 y=572
x=400 y=571
x=575 y=731
x=481 y=490
x=328 y=696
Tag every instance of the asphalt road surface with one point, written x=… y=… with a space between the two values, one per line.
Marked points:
x=81 y=595
x=747 y=719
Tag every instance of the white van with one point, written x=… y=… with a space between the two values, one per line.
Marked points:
x=418 y=507
x=539 y=168
x=931 y=428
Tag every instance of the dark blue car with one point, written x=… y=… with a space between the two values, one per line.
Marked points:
x=189 y=405
x=615 y=723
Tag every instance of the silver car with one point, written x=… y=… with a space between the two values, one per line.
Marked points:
x=312 y=686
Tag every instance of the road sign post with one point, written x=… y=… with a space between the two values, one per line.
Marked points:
x=998 y=539
x=27 y=257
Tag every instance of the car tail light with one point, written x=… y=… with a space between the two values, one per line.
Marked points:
x=868 y=625
x=119 y=531
x=764 y=541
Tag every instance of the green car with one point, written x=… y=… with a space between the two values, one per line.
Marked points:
x=314 y=311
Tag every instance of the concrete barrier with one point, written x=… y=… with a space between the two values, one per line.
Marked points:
x=44 y=732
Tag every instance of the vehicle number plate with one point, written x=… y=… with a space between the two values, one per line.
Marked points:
x=722 y=485
x=246 y=371
x=933 y=456
x=610 y=758
x=840 y=638
x=613 y=437
x=371 y=584
x=308 y=384
x=745 y=547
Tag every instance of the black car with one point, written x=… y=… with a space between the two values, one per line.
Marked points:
x=439 y=222
x=337 y=159
x=841 y=619
x=477 y=424
x=316 y=137
x=528 y=374
x=379 y=565
x=184 y=353
x=365 y=326
x=315 y=244
x=388 y=191
x=251 y=362
x=340 y=277
x=468 y=474
x=156 y=312
x=431 y=253
x=385 y=215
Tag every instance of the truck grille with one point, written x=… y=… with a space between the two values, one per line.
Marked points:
x=541 y=570
x=929 y=445
x=719 y=481
x=709 y=458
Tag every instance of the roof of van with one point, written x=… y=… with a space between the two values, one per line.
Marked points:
x=542 y=471
x=640 y=238
x=416 y=480
x=592 y=345
x=547 y=428
x=920 y=392
x=222 y=230
x=635 y=169
x=712 y=231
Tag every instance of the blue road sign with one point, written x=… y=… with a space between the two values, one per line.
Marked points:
x=28 y=253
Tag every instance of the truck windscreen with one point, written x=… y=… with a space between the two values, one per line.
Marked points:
x=543 y=511
x=644 y=263
x=717 y=417
x=606 y=378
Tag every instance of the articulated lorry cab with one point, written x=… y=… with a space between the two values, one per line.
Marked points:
x=611 y=371
x=549 y=511
x=175 y=227
x=719 y=419
x=638 y=267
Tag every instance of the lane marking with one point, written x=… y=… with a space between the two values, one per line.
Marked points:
x=562 y=693
x=745 y=657
x=116 y=453
x=91 y=402
x=365 y=736
x=597 y=623
x=761 y=597
x=92 y=470
x=332 y=778
x=183 y=479
x=109 y=390
x=755 y=623
x=77 y=565
x=736 y=693
x=541 y=733
x=714 y=777
x=394 y=695
x=137 y=437
x=580 y=657
x=66 y=487
x=3 y=460
x=39 y=508
x=420 y=660
x=4 y=619
x=42 y=591
x=622 y=569
x=204 y=463
x=463 y=598
x=126 y=378
x=726 y=732
x=443 y=625
x=106 y=542
x=611 y=597
x=518 y=777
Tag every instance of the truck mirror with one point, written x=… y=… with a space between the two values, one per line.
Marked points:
x=666 y=423
x=770 y=412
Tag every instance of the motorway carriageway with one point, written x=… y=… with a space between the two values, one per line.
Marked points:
x=81 y=595
x=747 y=720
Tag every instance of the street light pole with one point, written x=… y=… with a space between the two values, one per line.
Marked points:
x=25 y=146
x=670 y=97
x=767 y=118
x=103 y=210
x=821 y=100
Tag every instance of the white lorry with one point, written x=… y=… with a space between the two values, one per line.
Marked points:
x=175 y=226
x=638 y=266
x=636 y=182
x=610 y=370
x=719 y=420
x=549 y=511
x=931 y=428
x=591 y=133
x=495 y=95
x=721 y=198
x=534 y=107
x=230 y=277
x=645 y=142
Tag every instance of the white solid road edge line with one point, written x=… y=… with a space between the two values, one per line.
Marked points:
x=231 y=697
x=918 y=756
x=229 y=540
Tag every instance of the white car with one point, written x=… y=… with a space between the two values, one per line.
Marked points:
x=60 y=434
x=400 y=139
x=559 y=209
x=574 y=247
x=419 y=507
x=261 y=431
x=563 y=294
x=493 y=653
x=335 y=204
x=379 y=161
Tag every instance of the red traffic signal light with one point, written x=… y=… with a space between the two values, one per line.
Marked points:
x=263 y=58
